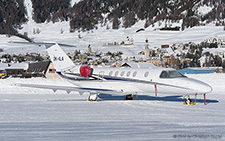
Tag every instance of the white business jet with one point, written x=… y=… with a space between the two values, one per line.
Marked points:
x=129 y=82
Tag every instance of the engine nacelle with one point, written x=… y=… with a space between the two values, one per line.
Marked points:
x=85 y=70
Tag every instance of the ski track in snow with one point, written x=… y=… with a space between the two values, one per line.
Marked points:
x=36 y=114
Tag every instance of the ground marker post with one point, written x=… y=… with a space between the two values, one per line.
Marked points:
x=155 y=90
x=204 y=100
x=195 y=97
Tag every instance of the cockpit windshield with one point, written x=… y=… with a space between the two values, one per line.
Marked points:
x=171 y=74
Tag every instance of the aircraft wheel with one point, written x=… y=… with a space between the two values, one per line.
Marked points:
x=128 y=97
x=93 y=97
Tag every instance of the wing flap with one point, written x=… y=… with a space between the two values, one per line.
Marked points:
x=68 y=89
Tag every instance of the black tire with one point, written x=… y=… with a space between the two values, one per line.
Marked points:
x=129 y=97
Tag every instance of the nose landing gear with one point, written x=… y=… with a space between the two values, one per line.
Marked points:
x=188 y=100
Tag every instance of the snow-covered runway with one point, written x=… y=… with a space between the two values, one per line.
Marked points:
x=28 y=114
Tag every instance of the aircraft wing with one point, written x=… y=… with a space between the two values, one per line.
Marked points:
x=68 y=89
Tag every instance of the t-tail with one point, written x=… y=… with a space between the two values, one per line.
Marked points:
x=59 y=58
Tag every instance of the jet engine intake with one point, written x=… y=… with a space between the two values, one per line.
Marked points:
x=85 y=70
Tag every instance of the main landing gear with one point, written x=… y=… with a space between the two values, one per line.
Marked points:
x=92 y=97
x=129 y=97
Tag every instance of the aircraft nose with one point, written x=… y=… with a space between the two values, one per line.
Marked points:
x=206 y=88
x=199 y=86
x=202 y=87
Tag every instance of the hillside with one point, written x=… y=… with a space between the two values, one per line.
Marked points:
x=12 y=15
x=126 y=13
x=86 y=15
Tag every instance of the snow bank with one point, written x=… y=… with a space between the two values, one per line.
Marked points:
x=72 y=2
x=203 y=10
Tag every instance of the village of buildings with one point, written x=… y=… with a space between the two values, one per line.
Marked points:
x=178 y=56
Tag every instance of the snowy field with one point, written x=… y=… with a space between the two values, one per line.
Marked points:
x=36 y=114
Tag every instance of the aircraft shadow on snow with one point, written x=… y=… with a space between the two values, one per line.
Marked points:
x=177 y=98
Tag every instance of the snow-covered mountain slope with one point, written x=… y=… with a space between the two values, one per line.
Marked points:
x=86 y=15
x=104 y=34
x=59 y=32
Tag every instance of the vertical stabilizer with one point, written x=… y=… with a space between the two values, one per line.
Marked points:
x=59 y=58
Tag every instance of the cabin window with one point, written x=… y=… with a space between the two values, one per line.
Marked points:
x=164 y=74
x=134 y=74
x=116 y=73
x=171 y=74
x=175 y=74
x=146 y=74
x=122 y=73
x=110 y=73
x=128 y=73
